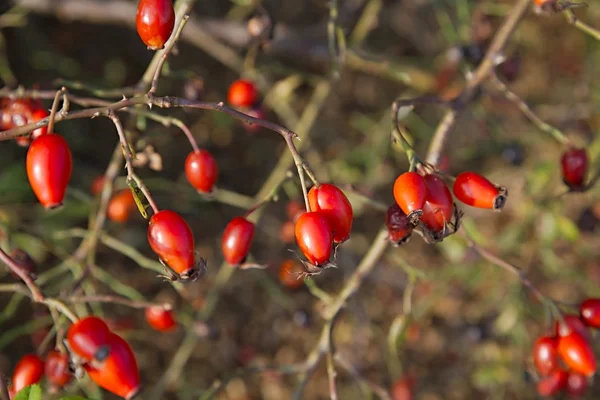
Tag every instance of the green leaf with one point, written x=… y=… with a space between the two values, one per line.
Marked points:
x=33 y=392
x=568 y=229
x=140 y=200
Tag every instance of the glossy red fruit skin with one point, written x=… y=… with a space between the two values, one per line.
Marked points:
x=574 y=164
x=589 y=312
x=29 y=370
x=289 y=274
x=201 y=170
x=119 y=373
x=242 y=93
x=335 y=206
x=160 y=319
x=553 y=383
x=410 y=192
x=438 y=207
x=49 y=166
x=398 y=225
x=38 y=115
x=545 y=355
x=171 y=238
x=88 y=338
x=236 y=240
x=576 y=384
x=121 y=206
x=476 y=191
x=577 y=353
x=314 y=236
x=571 y=322
x=154 y=22
x=57 y=368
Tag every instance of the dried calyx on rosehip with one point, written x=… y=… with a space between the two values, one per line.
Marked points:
x=398 y=225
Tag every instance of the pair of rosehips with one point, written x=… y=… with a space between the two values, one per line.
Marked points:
x=30 y=369
x=154 y=21
x=19 y=112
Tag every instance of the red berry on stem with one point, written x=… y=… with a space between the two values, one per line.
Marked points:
x=334 y=204
x=38 y=115
x=49 y=167
x=154 y=22
x=577 y=353
x=545 y=355
x=571 y=322
x=589 y=312
x=201 y=170
x=574 y=163
x=121 y=206
x=438 y=207
x=289 y=274
x=410 y=192
x=576 y=384
x=242 y=93
x=398 y=225
x=160 y=319
x=237 y=239
x=29 y=370
x=314 y=237
x=553 y=383
x=88 y=338
x=476 y=191
x=57 y=368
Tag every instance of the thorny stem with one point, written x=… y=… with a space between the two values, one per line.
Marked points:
x=582 y=26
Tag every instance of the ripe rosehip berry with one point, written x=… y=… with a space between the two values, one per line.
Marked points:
x=171 y=238
x=476 y=191
x=160 y=319
x=121 y=206
x=201 y=170
x=438 y=207
x=38 y=115
x=574 y=163
x=119 y=373
x=88 y=338
x=242 y=93
x=403 y=388
x=410 y=192
x=545 y=355
x=154 y=22
x=577 y=353
x=289 y=274
x=398 y=225
x=571 y=322
x=29 y=370
x=576 y=384
x=237 y=239
x=589 y=311
x=49 y=166
x=553 y=383
x=57 y=368
x=97 y=185
x=334 y=204
x=314 y=237
x=26 y=263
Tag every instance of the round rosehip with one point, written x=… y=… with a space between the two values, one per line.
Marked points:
x=476 y=191
x=49 y=166
x=577 y=353
x=398 y=225
x=334 y=204
x=553 y=383
x=410 y=192
x=438 y=207
x=576 y=384
x=154 y=22
x=201 y=170
x=88 y=338
x=160 y=319
x=289 y=274
x=545 y=355
x=314 y=236
x=28 y=371
x=119 y=373
x=57 y=368
x=237 y=239
x=121 y=206
x=574 y=163
x=589 y=312
x=242 y=93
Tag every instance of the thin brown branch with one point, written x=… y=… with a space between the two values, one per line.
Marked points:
x=36 y=293
x=115 y=300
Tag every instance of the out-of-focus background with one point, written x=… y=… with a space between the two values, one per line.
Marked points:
x=470 y=332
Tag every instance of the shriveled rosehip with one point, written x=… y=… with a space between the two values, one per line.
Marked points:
x=88 y=338
x=574 y=163
x=410 y=192
x=553 y=383
x=119 y=373
x=242 y=93
x=571 y=322
x=24 y=260
x=49 y=166
x=289 y=274
x=160 y=319
x=154 y=22
x=438 y=207
x=589 y=312
x=97 y=185
x=29 y=370
x=57 y=368
x=577 y=353
x=121 y=206
x=335 y=206
x=545 y=355
x=398 y=225
x=171 y=238
x=314 y=236
x=201 y=170
x=403 y=388
x=476 y=191
x=576 y=384
x=237 y=240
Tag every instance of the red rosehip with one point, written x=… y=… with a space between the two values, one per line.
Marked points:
x=476 y=191
x=49 y=166
x=577 y=353
x=553 y=383
x=403 y=388
x=242 y=93
x=121 y=206
x=589 y=312
x=258 y=113
x=334 y=204
x=38 y=115
x=171 y=238
x=160 y=319
x=574 y=163
x=57 y=368
x=571 y=322
x=398 y=225
x=119 y=373
x=88 y=338
x=410 y=192
x=237 y=239
x=28 y=371
x=294 y=209
x=438 y=207
x=154 y=22
x=545 y=355
x=314 y=237
x=97 y=185
x=289 y=274
x=201 y=170
x=576 y=384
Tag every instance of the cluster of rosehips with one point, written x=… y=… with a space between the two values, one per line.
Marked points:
x=19 y=112
x=571 y=343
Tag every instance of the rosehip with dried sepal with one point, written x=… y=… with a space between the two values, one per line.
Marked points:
x=201 y=170
x=410 y=191
x=334 y=204
x=154 y=21
x=314 y=236
x=574 y=164
x=398 y=225
x=476 y=191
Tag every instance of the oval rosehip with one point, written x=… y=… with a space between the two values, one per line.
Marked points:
x=335 y=206
x=38 y=115
x=121 y=206
x=314 y=236
x=154 y=22
x=160 y=319
x=577 y=353
x=57 y=368
x=29 y=370
x=476 y=191
x=49 y=166
x=553 y=383
x=201 y=170
x=88 y=338
x=398 y=225
x=545 y=355
x=438 y=207
x=574 y=163
x=410 y=192
x=242 y=93
x=589 y=312
x=289 y=274
x=237 y=239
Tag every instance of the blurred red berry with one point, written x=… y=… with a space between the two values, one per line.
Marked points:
x=574 y=163
x=160 y=319
x=242 y=93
